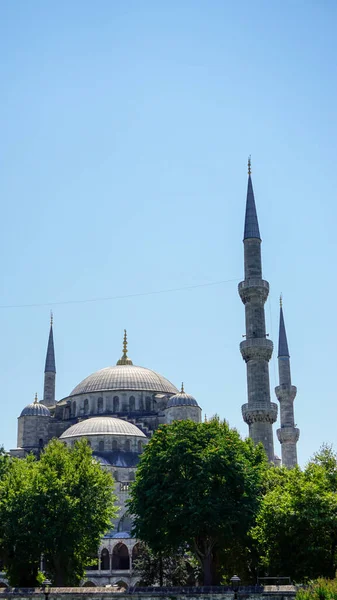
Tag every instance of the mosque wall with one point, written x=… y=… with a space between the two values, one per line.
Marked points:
x=182 y=413
x=32 y=431
x=113 y=403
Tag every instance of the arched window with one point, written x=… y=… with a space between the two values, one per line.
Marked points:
x=89 y=583
x=131 y=476
x=114 y=445
x=101 y=446
x=73 y=409
x=105 y=560
x=116 y=404
x=140 y=446
x=127 y=446
x=116 y=475
x=100 y=405
x=132 y=404
x=89 y=443
x=120 y=558
x=86 y=406
x=148 y=404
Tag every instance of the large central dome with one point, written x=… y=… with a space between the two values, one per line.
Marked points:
x=125 y=377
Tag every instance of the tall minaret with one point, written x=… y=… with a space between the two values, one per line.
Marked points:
x=49 y=370
x=288 y=434
x=259 y=413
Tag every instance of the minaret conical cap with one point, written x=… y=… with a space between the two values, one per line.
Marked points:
x=125 y=360
x=50 y=366
x=282 y=338
x=251 y=223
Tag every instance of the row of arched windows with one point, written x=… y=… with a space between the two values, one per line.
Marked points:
x=116 y=406
x=126 y=446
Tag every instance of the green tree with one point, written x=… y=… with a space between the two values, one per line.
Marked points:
x=296 y=531
x=58 y=506
x=154 y=568
x=197 y=484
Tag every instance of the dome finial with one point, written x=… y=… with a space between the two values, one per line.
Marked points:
x=125 y=360
x=35 y=399
x=249 y=165
x=125 y=344
x=182 y=388
x=281 y=301
x=51 y=318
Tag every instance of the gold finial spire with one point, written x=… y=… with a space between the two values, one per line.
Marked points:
x=281 y=301
x=51 y=318
x=249 y=165
x=125 y=344
x=125 y=360
x=35 y=399
x=182 y=388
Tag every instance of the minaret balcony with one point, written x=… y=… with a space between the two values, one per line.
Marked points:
x=286 y=393
x=262 y=412
x=256 y=349
x=288 y=435
x=254 y=289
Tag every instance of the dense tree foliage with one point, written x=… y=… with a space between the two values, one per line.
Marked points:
x=296 y=532
x=58 y=506
x=154 y=568
x=198 y=485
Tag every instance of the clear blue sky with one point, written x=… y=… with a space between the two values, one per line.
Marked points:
x=125 y=130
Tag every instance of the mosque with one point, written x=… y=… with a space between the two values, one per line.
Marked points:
x=118 y=408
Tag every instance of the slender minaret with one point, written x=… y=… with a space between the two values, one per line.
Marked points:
x=288 y=434
x=49 y=370
x=259 y=413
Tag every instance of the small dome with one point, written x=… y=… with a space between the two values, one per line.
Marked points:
x=35 y=409
x=121 y=535
x=182 y=399
x=102 y=426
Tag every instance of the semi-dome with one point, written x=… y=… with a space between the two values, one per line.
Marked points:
x=102 y=426
x=125 y=377
x=182 y=399
x=35 y=409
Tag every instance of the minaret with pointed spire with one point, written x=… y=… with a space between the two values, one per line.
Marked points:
x=288 y=434
x=49 y=370
x=259 y=412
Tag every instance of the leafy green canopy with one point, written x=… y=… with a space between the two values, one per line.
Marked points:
x=198 y=484
x=296 y=531
x=154 y=568
x=59 y=506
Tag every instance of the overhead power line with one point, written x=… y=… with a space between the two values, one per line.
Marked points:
x=119 y=297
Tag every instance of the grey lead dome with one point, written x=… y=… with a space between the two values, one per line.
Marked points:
x=102 y=426
x=182 y=399
x=125 y=377
x=35 y=410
